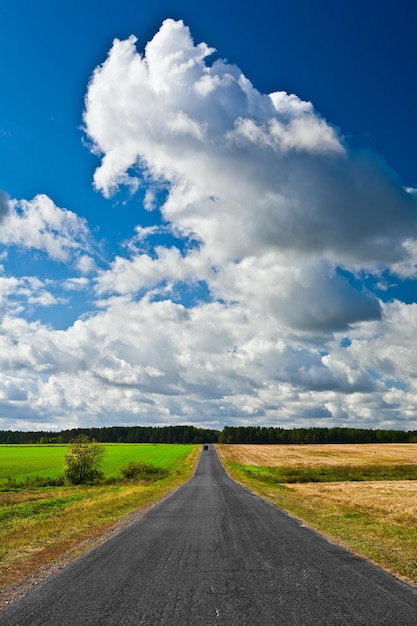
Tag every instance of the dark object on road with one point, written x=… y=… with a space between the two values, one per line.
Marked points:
x=205 y=446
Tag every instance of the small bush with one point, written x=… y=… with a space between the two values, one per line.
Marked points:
x=83 y=460
x=143 y=471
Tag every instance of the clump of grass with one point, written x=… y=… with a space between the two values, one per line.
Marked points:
x=43 y=508
x=32 y=482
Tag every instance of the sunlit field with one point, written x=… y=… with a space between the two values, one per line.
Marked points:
x=40 y=526
x=320 y=454
x=20 y=462
x=375 y=518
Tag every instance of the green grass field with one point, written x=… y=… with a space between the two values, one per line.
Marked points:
x=20 y=462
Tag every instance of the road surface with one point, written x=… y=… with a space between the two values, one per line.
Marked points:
x=215 y=554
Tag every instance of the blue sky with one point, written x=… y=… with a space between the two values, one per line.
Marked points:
x=179 y=246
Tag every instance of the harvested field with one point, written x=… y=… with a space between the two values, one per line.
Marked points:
x=395 y=501
x=319 y=454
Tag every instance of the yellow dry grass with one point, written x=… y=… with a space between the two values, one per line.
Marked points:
x=395 y=501
x=319 y=454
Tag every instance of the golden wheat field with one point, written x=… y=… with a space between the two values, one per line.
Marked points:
x=394 y=500
x=319 y=454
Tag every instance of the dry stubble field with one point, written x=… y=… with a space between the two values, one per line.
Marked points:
x=376 y=519
x=320 y=454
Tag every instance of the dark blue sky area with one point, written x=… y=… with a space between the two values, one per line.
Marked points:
x=355 y=61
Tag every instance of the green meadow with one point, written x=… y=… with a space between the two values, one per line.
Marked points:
x=20 y=462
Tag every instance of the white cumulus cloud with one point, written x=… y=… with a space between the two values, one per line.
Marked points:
x=281 y=176
x=40 y=225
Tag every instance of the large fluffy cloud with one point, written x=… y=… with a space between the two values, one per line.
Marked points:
x=246 y=172
x=268 y=189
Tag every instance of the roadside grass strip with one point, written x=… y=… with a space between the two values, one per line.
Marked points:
x=42 y=525
x=371 y=509
x=330 y=474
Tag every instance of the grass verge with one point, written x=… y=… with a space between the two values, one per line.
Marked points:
x=319 y=474
x=374 y=514
x=45 y=525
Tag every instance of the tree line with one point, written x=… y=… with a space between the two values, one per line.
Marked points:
x=229 y=434
x=258 y=434
x=115 y=434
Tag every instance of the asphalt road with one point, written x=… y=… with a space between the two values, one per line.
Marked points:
x=215 y=554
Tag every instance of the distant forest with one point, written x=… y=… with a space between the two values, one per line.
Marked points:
x=229 y=434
